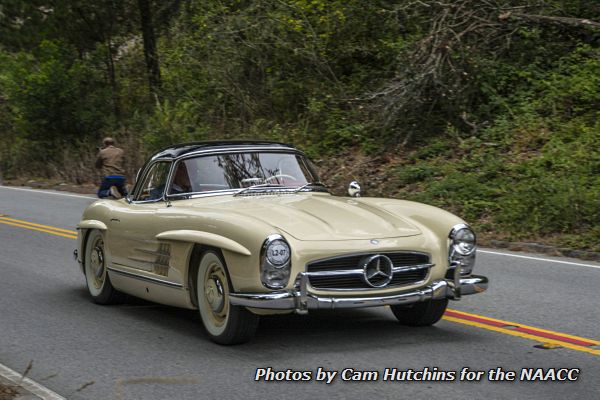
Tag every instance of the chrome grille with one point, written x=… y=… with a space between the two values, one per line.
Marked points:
x=345 y=272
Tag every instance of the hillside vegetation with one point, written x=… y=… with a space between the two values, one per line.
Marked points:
x=487 y=108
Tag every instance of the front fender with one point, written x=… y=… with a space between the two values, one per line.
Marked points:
x=205 y=238
x=83 y=227
x=92 y=224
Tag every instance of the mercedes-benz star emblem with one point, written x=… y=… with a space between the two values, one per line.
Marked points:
x=377 y=270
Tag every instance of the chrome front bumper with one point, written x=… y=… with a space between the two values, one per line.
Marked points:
x=301 y=300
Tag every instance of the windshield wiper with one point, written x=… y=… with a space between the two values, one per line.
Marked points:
x=277 y=185
x=309 y=184
x=262 y=185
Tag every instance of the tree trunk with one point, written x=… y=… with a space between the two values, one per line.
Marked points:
x=150 y=54
x=110 y=66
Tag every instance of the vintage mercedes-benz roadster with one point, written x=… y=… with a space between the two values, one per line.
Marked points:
x=243 y=229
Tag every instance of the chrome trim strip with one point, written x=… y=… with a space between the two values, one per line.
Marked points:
x=197 y=195
x=409 y=268
x=149 y=262
x=249 y=149
x=146 y=278
x=154 y=252
x=370 y=289
x=337 y=272
x=384 y=252
x=301 y=300
x=360 y=272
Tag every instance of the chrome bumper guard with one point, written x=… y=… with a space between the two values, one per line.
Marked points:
x=301 y=300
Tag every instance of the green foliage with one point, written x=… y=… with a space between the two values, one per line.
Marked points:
x=417 y=173
x=294 y=63
x=499 y=123
x=559 y=190
x=54 y=101
x=435 y=148
x=173 y=124
x=533 y=172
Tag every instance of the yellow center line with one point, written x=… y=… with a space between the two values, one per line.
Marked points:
x=523 y=335
x=509 y=323
x=34 y=228
x=52 y=228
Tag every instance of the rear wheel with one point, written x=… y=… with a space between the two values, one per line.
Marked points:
x=224 y=323
x=425 y=313
x=96 y=274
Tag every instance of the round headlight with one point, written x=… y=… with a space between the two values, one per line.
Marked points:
x=278 y=253
x=463 y=241
x=275 y=265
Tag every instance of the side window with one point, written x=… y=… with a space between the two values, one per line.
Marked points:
x=181 y=180
x=154 y=183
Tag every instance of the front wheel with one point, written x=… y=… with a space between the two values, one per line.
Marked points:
x=421 y=314
x=96 y=274
x=224 y=323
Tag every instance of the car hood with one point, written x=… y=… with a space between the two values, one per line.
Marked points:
x=321 y=217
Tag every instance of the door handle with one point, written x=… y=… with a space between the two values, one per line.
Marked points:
x=115 y=220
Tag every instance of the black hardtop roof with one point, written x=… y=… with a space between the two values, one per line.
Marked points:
x=181 y=149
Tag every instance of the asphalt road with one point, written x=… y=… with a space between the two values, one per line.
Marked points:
x=145 y=351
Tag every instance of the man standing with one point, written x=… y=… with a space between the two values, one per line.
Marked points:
x=110 y=160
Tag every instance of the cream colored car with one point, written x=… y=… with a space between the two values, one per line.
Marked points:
x=243 y=229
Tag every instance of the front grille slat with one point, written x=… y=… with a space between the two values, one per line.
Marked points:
x=343 y=274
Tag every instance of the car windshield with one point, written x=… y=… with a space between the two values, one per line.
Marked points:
x=242 y=170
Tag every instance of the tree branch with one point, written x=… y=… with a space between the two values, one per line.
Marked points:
x=574 y=22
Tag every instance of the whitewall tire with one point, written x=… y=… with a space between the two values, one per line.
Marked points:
x=224 y=323
x=96 y=273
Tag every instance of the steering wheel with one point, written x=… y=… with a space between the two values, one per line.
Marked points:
x=270 y=178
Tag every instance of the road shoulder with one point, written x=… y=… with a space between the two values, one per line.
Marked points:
x=15 y=386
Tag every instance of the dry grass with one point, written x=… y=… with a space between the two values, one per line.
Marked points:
x=7 y=392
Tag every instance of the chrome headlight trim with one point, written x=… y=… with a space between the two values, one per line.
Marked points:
x=457 y=255
x=454 y=233
x=275 y=268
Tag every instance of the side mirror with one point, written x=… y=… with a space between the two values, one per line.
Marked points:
x=354 y=189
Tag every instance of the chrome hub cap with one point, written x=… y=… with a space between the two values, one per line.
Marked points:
x=97 y=264
x=98 y=261
x=214 y=294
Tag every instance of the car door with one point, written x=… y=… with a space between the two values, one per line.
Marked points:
x=134 y=225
